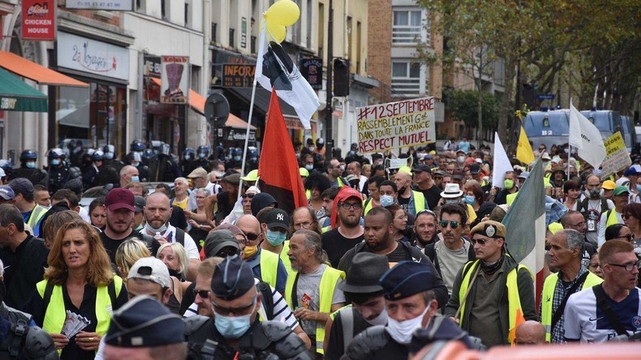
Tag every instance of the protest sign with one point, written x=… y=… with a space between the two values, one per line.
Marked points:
x=616 y=155
x=396 y=125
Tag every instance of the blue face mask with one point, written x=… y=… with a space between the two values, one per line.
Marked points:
x=187 y=157
x=135 y=179
x=638 y=187
x=233 y=327
x=135 y=164
x=200 y=156
x=55 y=162
x=309 y=167
x=387 y=200
x=32 y=165
x=275 y=238
x=469 y=199
x=237 y=158
x=109 y=156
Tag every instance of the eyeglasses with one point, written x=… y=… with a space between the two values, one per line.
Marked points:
x=229 y=251
x=251 y=237
x=453 y=223
x=204 y=294
x=351 y=206
x=305 y=225
x=234 y=311
x=628 y=237
x=629 y=266
x=201 y=197
x=481 y=242
x=246 y=195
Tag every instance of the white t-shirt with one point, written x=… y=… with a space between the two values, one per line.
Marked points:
x=190 y=244
x=587 y=323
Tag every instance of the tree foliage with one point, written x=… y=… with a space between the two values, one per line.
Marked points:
x=587 y=48
x=463 y=105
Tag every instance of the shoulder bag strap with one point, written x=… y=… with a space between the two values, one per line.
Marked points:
x=559 y=311
x=607 y=309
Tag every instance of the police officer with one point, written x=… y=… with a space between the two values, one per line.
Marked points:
x=252 y=160
x=186 y=160
x=110 y=158
x=236 y=158
x=202 y=159
x=136 y=147
x=235 y=331
x=99 y=174
x=58 y=174
x=164 y=168
x=27 y=169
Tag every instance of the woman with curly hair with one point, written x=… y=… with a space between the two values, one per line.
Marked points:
x=78 y=281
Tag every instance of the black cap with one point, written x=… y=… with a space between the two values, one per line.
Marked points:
x=422 y=168
x=405 y=279
x=364 y=273
x=261 y=201
x=277 y=218
x=232 y=278
x=377 y=156
x=475 y=169
x=218 y=240
x=21 y=186
x=144 y=322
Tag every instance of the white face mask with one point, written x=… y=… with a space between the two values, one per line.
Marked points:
x=381 y=319
x=401 y=331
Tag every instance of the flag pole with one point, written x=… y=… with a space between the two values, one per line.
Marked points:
x=251 y=112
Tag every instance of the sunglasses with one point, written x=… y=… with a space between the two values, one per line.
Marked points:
x=629 y=237
x=250 y=195
x=251 y=236
x=453 y=223
x=481 y=242
x=204 y=294
x=234 y=311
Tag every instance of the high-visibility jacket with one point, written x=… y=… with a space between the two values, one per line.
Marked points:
x=326 y=294
x=269 y=267
x=285 y=258
x=37 y=214
x=547 y=299
x=55 y=313
x=612 y=218
x=515 y=310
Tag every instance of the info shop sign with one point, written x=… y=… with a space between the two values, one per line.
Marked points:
x=396 y=125
x=39 y=20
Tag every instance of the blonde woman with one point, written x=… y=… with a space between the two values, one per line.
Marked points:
x=128 y=253
x=174 y=256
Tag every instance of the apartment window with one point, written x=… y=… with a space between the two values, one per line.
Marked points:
x=231 y=38
x=213 y=32
x=406 y=79
x=253 y=44
x=406 y=28
x=163 y=13
x=186 y=14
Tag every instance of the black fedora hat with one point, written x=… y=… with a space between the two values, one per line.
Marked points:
x=364 y=274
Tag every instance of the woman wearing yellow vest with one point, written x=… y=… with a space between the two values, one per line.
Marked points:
x=78 y=282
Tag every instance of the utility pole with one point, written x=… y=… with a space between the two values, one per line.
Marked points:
x=329 y=142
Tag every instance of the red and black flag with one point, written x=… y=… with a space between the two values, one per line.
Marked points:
x=278 y=167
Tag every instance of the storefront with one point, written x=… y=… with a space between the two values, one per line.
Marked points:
x=95 y=116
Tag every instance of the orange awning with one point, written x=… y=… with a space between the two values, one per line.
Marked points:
x=36 y=72
x=237 y=123
x=196 y=101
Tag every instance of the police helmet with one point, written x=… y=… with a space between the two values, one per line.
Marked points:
x=56 y=153
x=188 y=154
x=28 y=155
x=97 y=155
x=137 y=145
x=203 y=151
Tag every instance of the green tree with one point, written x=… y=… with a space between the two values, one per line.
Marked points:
x=462 y=104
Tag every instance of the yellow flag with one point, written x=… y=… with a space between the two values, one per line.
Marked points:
x=524 y=150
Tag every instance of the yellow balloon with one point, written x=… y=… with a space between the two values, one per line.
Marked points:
x=283 y=12
x=276 y=32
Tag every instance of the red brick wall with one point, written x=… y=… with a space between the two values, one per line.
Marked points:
x=379 y=49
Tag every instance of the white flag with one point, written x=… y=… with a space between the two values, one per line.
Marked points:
x=586 y=137
x=275 y=69
x=501 y=163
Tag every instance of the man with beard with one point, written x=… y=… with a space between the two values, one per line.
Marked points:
x=378 y=240
x=411 y=201
x=312 y=289
x=363 y=290
x=424 y=184
x=454 y=251
x=120 y=205
x=620 y=197
x=592 y=207
x=425 y=231
x=157 y=214
x=348 y=207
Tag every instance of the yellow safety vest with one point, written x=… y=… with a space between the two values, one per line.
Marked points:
x=509 y=198
x=547 y=298
x=369 y=206
x=515 y=311
x=285 y=258
x=327 y=286
x=612 y=218
x=55 y=314
x=269 y=267
x=308 y=194
x=419 y=201
x=37 y=214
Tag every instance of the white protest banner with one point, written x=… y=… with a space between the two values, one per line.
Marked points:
x=396 y=125
x=616 y=155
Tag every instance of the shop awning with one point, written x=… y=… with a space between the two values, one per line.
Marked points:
x=237 y=123
x=15 y=95
x=36 y=72
x=196 y=101
x=261 y=101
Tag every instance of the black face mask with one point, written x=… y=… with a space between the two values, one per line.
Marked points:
x=175 y=274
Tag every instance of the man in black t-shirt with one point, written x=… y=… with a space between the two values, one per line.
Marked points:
x=348 y=208
x=424 y=184
x=378 y=240
x=120 y=214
